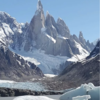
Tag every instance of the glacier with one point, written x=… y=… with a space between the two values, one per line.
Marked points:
x=46 y=62
x=84 y=92
x=34 y=86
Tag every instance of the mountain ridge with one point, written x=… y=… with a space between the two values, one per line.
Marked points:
x=83 y=71
x=44 y=34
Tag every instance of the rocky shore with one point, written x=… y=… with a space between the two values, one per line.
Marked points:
x=7 y=92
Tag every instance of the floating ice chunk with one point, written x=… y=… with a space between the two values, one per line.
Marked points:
x=32 y=98
x=84 y=89
x=84 y=97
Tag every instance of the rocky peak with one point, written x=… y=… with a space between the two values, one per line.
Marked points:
x=85 y=44
x=39 y=5
x=49 y=20
x=6 y=18
x=39 y=9
x=88 y=42
x=80 y=35
x=81 y=38
x=62 y=29
x=76 y=38
x=61 y=22
x=35 y=26
x=37 y=22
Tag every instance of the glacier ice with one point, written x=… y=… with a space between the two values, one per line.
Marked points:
x=34 y=86
x=32 y=98
x=84 y=89
x=84 y=97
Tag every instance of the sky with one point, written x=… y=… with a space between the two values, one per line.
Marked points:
x=79 y=15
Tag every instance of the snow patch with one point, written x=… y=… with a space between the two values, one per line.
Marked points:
x=50 y=75
x=61 y=37
x=2 y=34
x=79 y=57
x=18 y=62
x=53 y=27
x=43 y=30
x=7 y=29
x=6 y=81
x=81 y=50
x=51 y=38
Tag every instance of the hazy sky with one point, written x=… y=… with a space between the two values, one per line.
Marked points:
x=79 y=15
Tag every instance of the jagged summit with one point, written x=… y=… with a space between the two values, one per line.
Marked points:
x=47 y=14
x=4 y=17
x=44 y=34
x=81 y=38
x=80 y=34
x=4 y=13
x=39 y=5
x=39 y=10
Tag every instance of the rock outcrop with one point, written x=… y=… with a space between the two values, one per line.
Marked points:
x=14 y=67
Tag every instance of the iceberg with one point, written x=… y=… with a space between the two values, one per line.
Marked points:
x=84 y=89
x=32 y=98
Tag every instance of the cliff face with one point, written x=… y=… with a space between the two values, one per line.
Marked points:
x=52 y=37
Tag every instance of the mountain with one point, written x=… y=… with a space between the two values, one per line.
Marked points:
x=43 y=41
x=84 y=71
x=95 y=51
x=95 y=42
x=14 y=67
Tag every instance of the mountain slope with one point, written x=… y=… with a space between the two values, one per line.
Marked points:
x=13 y=66
x=95 y=51
x=84 y=71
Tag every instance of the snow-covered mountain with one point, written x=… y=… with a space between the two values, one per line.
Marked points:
x=43 y=41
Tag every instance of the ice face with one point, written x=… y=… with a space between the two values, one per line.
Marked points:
x=84 y=89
